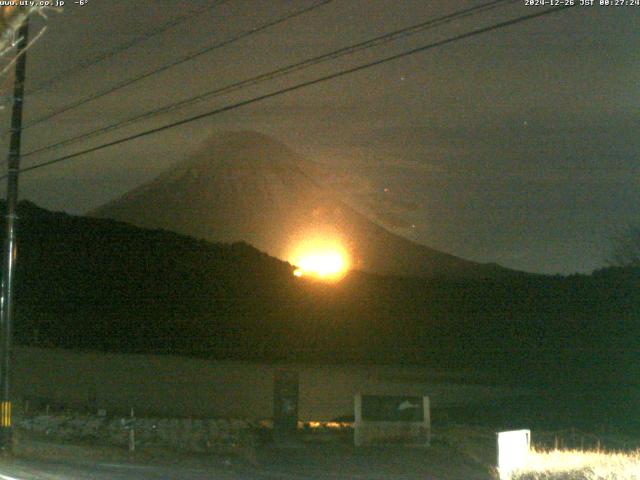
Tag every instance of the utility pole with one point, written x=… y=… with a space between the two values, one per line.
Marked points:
x=9 y=253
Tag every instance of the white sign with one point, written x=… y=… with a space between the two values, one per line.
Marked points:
x=513 y=450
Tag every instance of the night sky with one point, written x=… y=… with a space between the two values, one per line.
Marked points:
x=519 y=146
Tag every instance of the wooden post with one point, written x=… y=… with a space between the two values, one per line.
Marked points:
x=132 y=434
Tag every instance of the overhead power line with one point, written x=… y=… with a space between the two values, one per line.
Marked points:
x=430 y=46
x=177 y=62
x=286 y=70
x=121 y=48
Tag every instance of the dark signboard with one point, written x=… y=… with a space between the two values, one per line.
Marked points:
x=387 y=408
x=285 y=403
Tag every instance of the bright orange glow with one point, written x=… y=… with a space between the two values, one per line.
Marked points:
x=322 y=264
x=321 y=259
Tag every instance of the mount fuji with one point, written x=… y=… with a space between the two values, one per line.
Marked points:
x=246 y=186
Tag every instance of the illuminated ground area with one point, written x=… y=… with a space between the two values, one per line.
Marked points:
x=579 y=465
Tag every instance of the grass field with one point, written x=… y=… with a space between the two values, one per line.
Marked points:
x=580 y=465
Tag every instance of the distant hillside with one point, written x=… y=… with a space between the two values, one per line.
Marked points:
x=245 y=186
x=104 y=285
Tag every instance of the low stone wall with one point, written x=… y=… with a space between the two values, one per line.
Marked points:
x=189 y=435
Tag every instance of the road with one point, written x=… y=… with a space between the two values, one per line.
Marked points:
x=67 y=470
x=323 y=462
x=50 y=470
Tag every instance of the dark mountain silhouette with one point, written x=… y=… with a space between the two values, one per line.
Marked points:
x=245 y=186
x=97 y=284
